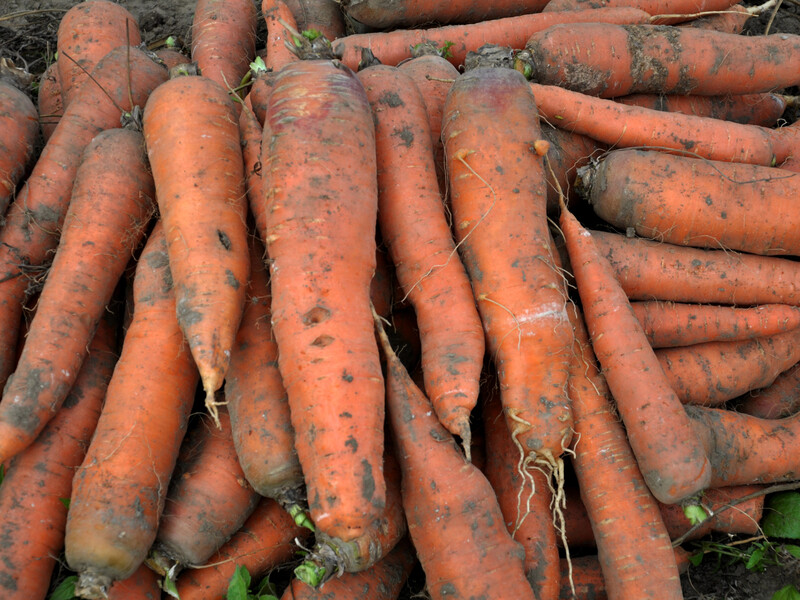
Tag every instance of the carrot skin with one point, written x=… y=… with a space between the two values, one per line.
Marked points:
x=323 y=15
x=39 y=478
x=653 y=7
x=322 y=214
x=18 y=131
x=50 y=101
x=732 y=20
x=251 y=134
x=667 y=450
x=142 y=585
x=778 y=400
x=278 y=36
x=119 y=491
x=112 y=201
x=748 y=109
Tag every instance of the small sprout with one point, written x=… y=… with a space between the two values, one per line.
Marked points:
x=171 y=42
x=65 y=590
x=311 y=34
x=258 y=66
x=169 y=587
x=695 y=513
x=444 y=51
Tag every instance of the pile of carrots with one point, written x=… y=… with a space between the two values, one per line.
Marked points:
x=497 y=297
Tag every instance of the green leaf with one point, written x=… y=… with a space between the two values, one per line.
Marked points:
x=266 y=587
x=695 y=513
x=258 y=65
x=267 y=597
x=239 y=584
x=169 y=586
x=782 y=515
x=311 y=34
x=697 y=558
x=65 y=502
x=65 y=589
x=792 y=549
x=755 y=558
x=787 y=593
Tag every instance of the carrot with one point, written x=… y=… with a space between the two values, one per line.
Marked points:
x=447 y=498
x=668 y=324
x=86 y=33
x=667 y=450
x=660 y=59
x=208 y=501
x=691 y=202
x=50 y=102
x=171 y=57
x=632 y=541
x=279 y=20
x=34 y=220
x=18 y=130
x=398 y=14
x=321 y=222
x=382 y=581
x=112 y=202
x=39 y=480
x=414 y=227
x=568 y=152
x=197 y=164
x=392 y=47
x=266 y=541
x=498 y=199
x=666 y=11
x=627 y=126
x=324 y=16
x=142 y=585
x=732 y=20
x=251 y=133
x=224 y=40
x=749 y=109
x=778 y=400
x=119 y=491
x=259 y=95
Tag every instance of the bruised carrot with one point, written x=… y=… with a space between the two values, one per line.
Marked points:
x=750 y=109
x=446 y=497
x=414 y=226
x=567 y=153
x=34 y=220
x=224 y=39
x=119 y=490
x=392 y=47
x=322 y=202
x=197 y=164
x=627 y=126
x=687 y=201
x=86 y=33
x=112 y=202
x=649 y=270
x=667 y=450
x=778 y=400
x=39 y=480
x=18 y=130
x=670 y=324
x=266 y=541
x=50 y=102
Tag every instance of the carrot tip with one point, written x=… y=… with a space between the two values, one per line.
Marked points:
x=210 y=387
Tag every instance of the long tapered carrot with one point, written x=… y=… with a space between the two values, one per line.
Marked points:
x=778 y=400
x=693 y=202
x=750 y=109
x=322 y=202
x=280 y=21
x=627 y=126
x=731 y=20
x=50 y=101
x=197 y=164
x=86 y=33
x=34 y=220
x=649 y=270
x=670 y=324
x=112 y=202
x=18 y=131
x=251 y=134
x=119 y=490
x=653 y=7
x=413 y=12
x=414 y=226
x=667 y=450
x=392 y=47
x=631 y=59
x=498 y=199
x=444 y=496
x=39 y=480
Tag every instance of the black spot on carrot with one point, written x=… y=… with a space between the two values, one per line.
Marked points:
x=346 y=376
x=156 y=260
x=448 y=589
x=367 y=481
x=697 y=263
x=224 y=239
x=499 y=169
x=352 y=444
x=7 y=581
x=391 y=99
x=231 y=280
x=138 y=509
x=406 y=135
x=346 y=415
x=316 y=315
x=322 y=341
x=186 y=314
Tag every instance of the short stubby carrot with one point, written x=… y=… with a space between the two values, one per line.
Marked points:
x=120 y=489
x=669 y=454
x=198 y=169
x=318 y=161
x=498 y=199
x=86 y=33
x=18 y=131
x=414 y=227
x=112 y=202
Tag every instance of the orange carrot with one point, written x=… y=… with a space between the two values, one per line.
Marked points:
x=324 y=16
x=39 y=480
x=171 y=58
x=119 y=491
x=322 y=202
x=197 y=164
x=142 y=585
x=86 y=33
x=667 y=450
x=112 y=202
x=266 y=541
x=778 y=400
x=751 y=109
x=18 y=131
x=280 y=21
x=667 y=324
x=692 y=202
x=224 y=39
x=654 y=7
x=447 y=498
x=392 y=47
x=568 y=152
x=649 y=270
x=414 y=227
x=732 y=20
x=50 y=100
x=251 y=133
x=34 y=220
x=627 y=126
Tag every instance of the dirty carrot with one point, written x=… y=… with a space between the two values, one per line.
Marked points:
x=750 y=109
x=731 y=20
x=324 y=16
x=50 y=102
x=18 y=131
x=654 y=7
x=778 y=400
x=280 y=22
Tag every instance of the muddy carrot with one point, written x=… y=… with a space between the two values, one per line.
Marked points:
x=18 y=130
x=778 y=400
x=50 y=102
x=749 y=109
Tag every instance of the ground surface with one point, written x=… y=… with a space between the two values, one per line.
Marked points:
x=28 y=35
